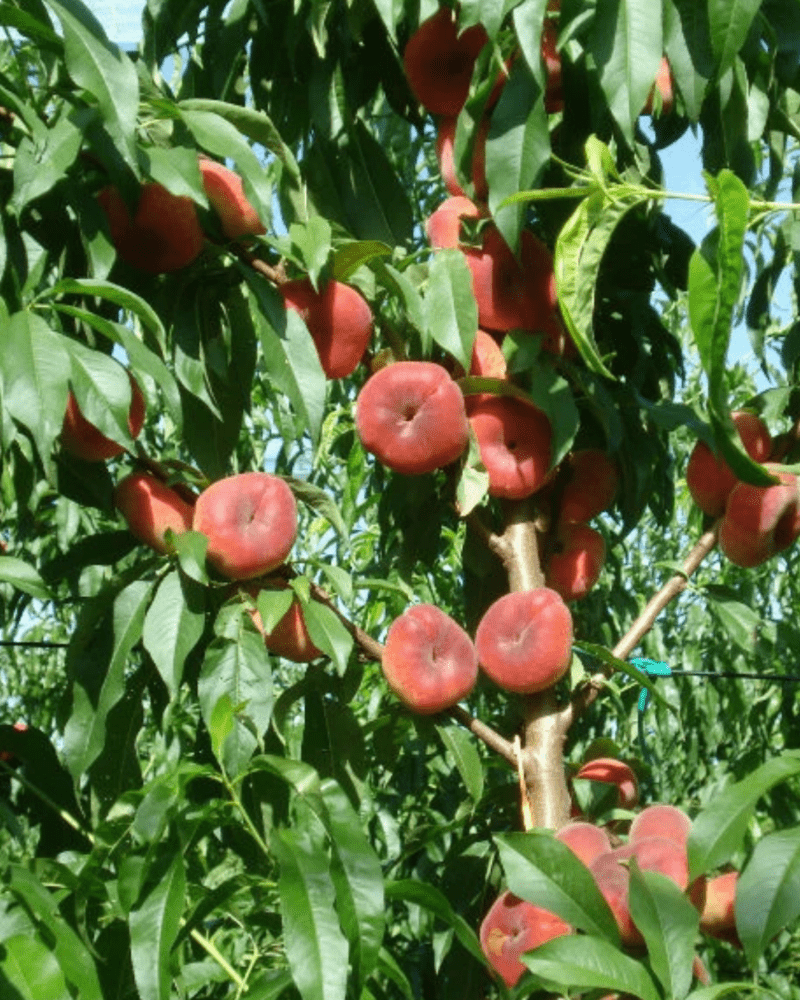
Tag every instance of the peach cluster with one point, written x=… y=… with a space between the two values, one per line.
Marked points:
x=164 y=233
x=439 y=61
x=657 y=840
x=757 y=521
x=576 y=553
x=523 y=643
x=249 y=519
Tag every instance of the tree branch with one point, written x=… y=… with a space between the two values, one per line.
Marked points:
x=586 y=694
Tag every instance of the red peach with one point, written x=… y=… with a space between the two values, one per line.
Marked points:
x=710 y=479
x=590 y=488
x=576 y=560
x=660 y=820
x=760 y=521
x=289 y=638
x=553 y=95
x=586 y=841
x=150 y=507
x=428 y=660
x=338 y=319
x=718 y=917
x=445 y=138
x=250 y=520
x=488 y=360
x=616 y=773
x=513 y=926
x=164 y=234
x=444 y=225
x=83 y=440
x=225 y=192
x=514 y=439
x=662 y=86
x=524 y=640
x=411 y=416
x=439 y=62
x=612 y=877
x=512 y=294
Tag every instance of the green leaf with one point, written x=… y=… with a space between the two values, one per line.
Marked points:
x=154 y=926
x=220 y=138
x=31 y=969
x=545 y=872
x=357 y=878
x=715 y=279
x=23 y=576
x=580 y=247
x=553 y=395
x=320 y=501
x=768 y=892
x=740 y=622
x=241 y=671
x=103 y=391
x=41 y=162
x=464 y=753
x=669 y=923
x=119 y=296
x=729 y=22
x=451 y=314
x=28 y=25
x=517 y=147
x=718 y=831
x=430 y=898
x=627 y=47
x=74 y=958
x=173 y=626
x=586 y=961
x=312 y=242
x=687 y=45
x=348 y=259
x=98 y=655
x=720 y=990
x=328 y=633
x=35 y=369
x=290 y=356
x=102 y=69
x=316 y=948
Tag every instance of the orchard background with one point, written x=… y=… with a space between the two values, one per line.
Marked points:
x=189 y=815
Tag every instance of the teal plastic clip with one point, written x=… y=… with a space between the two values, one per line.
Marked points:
x=654 y=668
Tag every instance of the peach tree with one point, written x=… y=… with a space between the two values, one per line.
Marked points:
x=327 y=329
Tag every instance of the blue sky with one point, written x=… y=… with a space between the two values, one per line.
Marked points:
x=121 y=18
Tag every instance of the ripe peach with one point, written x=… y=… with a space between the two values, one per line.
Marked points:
x=718 y=917
x=661 y=821
x=289 y=638
x=524 y=640
x=445 y=137
x=554 y=94
x=663 y=86
x=411 y=416
x=513 y=926
x=710 y=479
x=225 y=192
x=760 y=521
x=83 y=440
x=586 y=841
x=338 y=319
x=616 y=773
x=575 y=562
x=150 y=507
x=590 y=488
x=612 y=877
x=444 y=225
x=164 y=234
x=439 y=62
x=250 y=520
x=514 y=439
x=488 y=360
x=428 y=660
x=510 y=293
